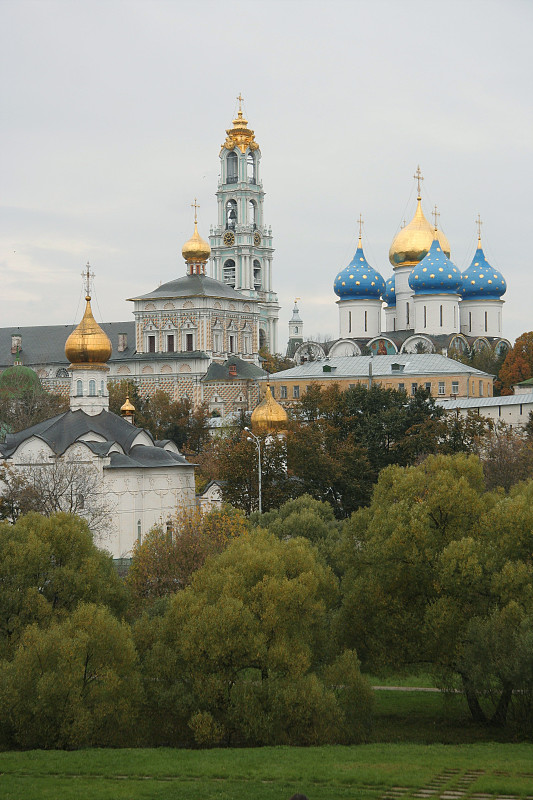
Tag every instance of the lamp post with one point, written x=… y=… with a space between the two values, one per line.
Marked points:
x=253 y=438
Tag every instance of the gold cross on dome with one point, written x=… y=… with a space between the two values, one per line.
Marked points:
x=241 y=100
x=479 y=224
x=418 y=177
x=196 y=206
x=296 y=300
x=435 y=214
x=88 y=277
x=360 y=221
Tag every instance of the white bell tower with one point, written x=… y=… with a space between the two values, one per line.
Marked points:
x=241 y=242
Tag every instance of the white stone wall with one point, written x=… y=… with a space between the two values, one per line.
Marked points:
x=359 y=318
x=481 y=317
x=436 y=313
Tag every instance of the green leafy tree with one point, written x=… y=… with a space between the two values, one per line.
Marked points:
x=167 y=557
x=274 y=362
x=74 y=684
x=48 y=565
x=238 y=655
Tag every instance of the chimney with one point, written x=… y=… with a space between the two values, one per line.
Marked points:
x=233 y=370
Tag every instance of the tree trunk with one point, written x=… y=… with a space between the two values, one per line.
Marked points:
x=478 y=715
x=500 y=715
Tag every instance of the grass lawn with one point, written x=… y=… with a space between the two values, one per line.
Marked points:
x=380 y=771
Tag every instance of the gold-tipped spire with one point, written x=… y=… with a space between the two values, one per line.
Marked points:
x=269 y=416
x=240 y=135
x=435 y=214
x=418 y=177
x=88 y=343
x=479 y=223
x=360 y=221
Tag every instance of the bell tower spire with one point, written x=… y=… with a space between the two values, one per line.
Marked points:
x=241 y=242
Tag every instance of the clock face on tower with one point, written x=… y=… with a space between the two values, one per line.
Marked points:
x=257 y=238
x=229 y=238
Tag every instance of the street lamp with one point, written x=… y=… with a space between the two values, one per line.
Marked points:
x=253 y=438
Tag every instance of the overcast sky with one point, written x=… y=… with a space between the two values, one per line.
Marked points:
x=113 y=114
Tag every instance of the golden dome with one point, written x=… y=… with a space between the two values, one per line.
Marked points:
x=412 y=243
x=269 y=416
x=196 y=249
x=88 y=344
x=240 y=135
x=128 y=408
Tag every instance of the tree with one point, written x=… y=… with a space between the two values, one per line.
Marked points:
x=238 y=655
x=274 y=362
x=163 y=417
x=167 y=558
x=74 y=684
x=22 y=406
x=62 y=485
x=507 y=456
x=48 y=565
x=518 y=364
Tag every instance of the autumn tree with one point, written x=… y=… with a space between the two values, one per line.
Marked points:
x=73 y=684
x=168 y=555
x=518 y=364
x=48 y=565
x=241 y=656
x=23 y=405
x=274 y=362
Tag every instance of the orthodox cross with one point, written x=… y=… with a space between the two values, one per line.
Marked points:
x=241 y=100
x=435 y=214
x=196 y=206
x=418 y=177
x=479 y=224
x=88 y=277
x=296 y=300
x=360 y=221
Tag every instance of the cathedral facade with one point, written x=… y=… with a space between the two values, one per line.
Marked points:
x=196 y=336
x=427 y=306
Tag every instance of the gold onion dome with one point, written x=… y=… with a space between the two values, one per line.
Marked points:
x=269 y=416
x=88 y=343
x=128 y=408
x=413 y=242
x=196 y=249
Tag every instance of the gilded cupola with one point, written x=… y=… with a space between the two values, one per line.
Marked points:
x=240 y=135
x=196 y=251
x=269 y=417
x=413 y=242
x=88 y=343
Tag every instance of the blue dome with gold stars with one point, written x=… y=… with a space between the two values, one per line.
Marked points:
x=359 y=281
x=481 y=281
x=389 y=295
x=435 y=274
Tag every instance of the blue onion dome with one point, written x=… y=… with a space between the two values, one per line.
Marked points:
x=359 y=280
x=389 y=295
x=480 y=280
x=435 y=274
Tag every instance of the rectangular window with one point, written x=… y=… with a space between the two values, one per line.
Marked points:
x=296 y=392
x=455 y=316
x=425 y=316
x=216 y=342
x=189 y=342
x=520 y=409
x=232 y=344
x=442 y=388
x=170 y=343
x=455 y=387
x=414 y=387
x=394 y=324
x=469 y=320
x=407 y=313
x=349 y=321
x=486 y=321
x=499 y=411
x=282 y=392
x=366 y=320
x=440 y=313
x=151 y=344
x=428 y=387
x=401 y=387
x=481 y=388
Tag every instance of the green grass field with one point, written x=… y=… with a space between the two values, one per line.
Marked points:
x=366 y=772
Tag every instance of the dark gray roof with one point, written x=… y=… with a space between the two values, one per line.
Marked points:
x=63 y=430
x=245 y=370
x=192 y=286
x=45 y=344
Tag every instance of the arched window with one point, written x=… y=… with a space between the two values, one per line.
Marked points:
x=62 y=373
x=92 y=388
x=262 y=338
x=251 y=213
x=232 y=165
x=102 y=388
x=229 y=272
x=231 y=214
x=79 y=388
x=257 y=275
x=250 y=167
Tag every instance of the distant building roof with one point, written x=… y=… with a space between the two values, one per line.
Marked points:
x=358 y=366
x=193 y=286
x=243 y=369
x=483 y=402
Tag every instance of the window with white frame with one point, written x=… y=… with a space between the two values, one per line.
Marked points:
x=442 y=387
